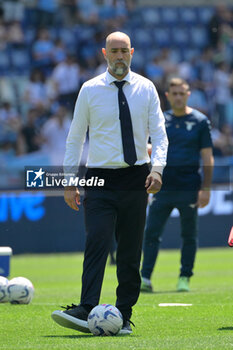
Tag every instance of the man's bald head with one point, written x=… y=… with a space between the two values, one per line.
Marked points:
x=118 y=37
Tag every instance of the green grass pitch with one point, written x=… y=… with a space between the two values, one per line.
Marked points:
x=207 y=324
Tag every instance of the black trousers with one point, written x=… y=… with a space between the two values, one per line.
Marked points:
x=159 y=211
x=120 y=209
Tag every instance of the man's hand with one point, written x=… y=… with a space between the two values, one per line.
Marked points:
x=203 y=198
x=153 y=182
x=72 y=197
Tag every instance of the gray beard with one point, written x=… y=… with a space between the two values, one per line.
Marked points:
x=120 y=71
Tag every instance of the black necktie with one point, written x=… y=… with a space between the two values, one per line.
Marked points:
x=129 y=150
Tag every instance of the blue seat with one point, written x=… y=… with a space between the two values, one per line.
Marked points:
x=142 y=38
x=188 y=15
x=204 y=14
x=151 y=16
x=198 y=36
x=127 y=29
x=170 y=15
x=53 y=33
x=180 y=36
x=162 y=36
x=190 y=53
x=85 y=33
x=67 y=36
x=176 y=54
x=139 y=60
x=106 y=12
x=135 y=18
x=5 y=66
x=29 y=35
x=20 y=61
x=151 y=53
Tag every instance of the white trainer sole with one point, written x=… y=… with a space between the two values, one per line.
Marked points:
x=68 y=321
x=125 y=332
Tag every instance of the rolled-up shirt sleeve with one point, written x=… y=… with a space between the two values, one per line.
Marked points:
x=157 y=132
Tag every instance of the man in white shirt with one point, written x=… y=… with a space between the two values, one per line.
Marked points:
x=54 y=134
x=66 y=80
x=121 y=109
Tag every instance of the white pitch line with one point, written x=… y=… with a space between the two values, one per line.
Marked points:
x=174 y=304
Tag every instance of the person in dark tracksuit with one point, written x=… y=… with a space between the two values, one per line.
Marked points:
x=189 y=138
x=121 y=109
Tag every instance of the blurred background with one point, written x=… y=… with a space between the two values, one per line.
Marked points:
x=48 y=48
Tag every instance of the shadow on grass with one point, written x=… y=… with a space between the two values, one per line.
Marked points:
x=225 y=329
x=83 y=336
x=162 y=292
x=68 y=336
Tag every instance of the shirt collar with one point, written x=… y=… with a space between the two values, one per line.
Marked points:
x=111 y=79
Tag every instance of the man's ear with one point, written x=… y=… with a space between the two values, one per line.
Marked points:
x=104 y=52
x=132 y=50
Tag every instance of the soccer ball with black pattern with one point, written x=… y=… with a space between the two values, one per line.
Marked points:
x=3 y=289
x=20 y=290
x=105 y=319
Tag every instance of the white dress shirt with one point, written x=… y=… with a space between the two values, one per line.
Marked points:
x=67 y=77
x=97 y=109
x=55 y=135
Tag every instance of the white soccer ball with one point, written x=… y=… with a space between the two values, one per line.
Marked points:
x=105 y=319
x=20 y=290
x=3 y=289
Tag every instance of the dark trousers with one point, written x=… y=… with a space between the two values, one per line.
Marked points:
x=160 y=209
x=118 y=209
